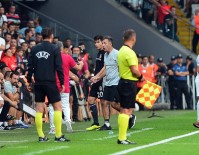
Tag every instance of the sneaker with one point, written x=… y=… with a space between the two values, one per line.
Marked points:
x=45 y=139
x=2 y=127
x=61 y=139
x=52 y=131
x=105 y=127
x=9 y=117
x=196 y=124
x=125 y=142
x=68 y=126
x=132 y=120
x=22 y=126
x=93 y=127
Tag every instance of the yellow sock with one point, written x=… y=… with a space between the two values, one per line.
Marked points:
x=123 y=121
x=39 y=123
x=58 y=123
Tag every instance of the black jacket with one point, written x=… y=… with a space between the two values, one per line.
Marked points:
x=44 y=61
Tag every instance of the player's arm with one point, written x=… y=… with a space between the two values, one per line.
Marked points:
x=12 y=103
x=79 y=66
x=99 y=75
x=73 y=77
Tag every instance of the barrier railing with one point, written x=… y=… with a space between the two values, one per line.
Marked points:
x=164 y=96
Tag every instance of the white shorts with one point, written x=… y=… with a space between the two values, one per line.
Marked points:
x=197 y=85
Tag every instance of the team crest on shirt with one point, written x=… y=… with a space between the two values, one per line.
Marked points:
x=43 y=54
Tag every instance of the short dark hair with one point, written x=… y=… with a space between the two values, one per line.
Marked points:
x=98 y=37
x=7 y=74
x=46 y=33
x=14 y=73
x=128 y=34
x=75 y=47
x=109 y=38
x=27 y=31
x=80 y=44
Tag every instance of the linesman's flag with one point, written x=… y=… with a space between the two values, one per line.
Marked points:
x=148 y=94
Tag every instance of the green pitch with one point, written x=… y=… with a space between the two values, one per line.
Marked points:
x=146 y=131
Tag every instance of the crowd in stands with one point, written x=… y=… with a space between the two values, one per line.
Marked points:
x=16 y=43
x=160 y=14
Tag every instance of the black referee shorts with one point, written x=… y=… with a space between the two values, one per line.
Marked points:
x=111 y=94
x=127 y=90
x=49 y=90
x=96 y=90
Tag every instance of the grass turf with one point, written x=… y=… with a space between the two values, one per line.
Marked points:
x=146 y=131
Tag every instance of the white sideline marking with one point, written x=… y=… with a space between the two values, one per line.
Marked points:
x=46 y=150
x=155 y=143
x=14 y=141
x=128 y=134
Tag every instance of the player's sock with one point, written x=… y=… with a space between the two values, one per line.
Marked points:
x=1 y=123
x=123 y=121
x=39 y=123
x=198 y=111
x=106 y=122
x=93 y=109
x=58 y=123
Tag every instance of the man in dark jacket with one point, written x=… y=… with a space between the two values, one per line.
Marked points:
x=44 y=62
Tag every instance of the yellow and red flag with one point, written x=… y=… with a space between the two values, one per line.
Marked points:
x=148 y=94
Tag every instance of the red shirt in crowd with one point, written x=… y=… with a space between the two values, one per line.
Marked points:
x=162 y=12
x=11 y=62
x=67 y=64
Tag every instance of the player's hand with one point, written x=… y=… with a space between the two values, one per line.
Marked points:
x=29 y=86
x=62 y=89
x=81 y=63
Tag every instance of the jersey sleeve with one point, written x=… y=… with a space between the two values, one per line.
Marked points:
x=197 y=61
x=131 y=59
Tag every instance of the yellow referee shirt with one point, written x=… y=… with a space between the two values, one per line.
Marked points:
x=127 y=58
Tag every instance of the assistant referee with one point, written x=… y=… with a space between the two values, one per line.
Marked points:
x=127 y=88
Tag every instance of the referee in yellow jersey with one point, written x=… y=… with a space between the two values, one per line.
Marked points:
x=127 y=88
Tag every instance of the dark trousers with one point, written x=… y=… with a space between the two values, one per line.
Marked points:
x=172 y=94
x=195 y=42
x=4 y=111
x=75 y=105
x=182 y=88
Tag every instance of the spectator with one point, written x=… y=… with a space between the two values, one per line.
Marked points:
x=148 y=9
x=28 y=35
x=139 y=56
x=38 y=28
x=55 y=39
x=147 y=72
x=162 y=68
x=190 y=65
x=12 y=16
x=4 y=28
x=30 y=24
x=195 y=22
x=162 y=10
x=180 y=77
x=170 y=28
x=9 y=60
x=8 y=38
x=3 y=18
x=2 y=43
x=154 y=66
x=171 y=84
x=38 y=38
x=11 y=28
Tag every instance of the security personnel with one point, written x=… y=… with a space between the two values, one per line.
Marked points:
x=195 y=22
x=127 y=88
x=180 y=77
x=172 y=89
